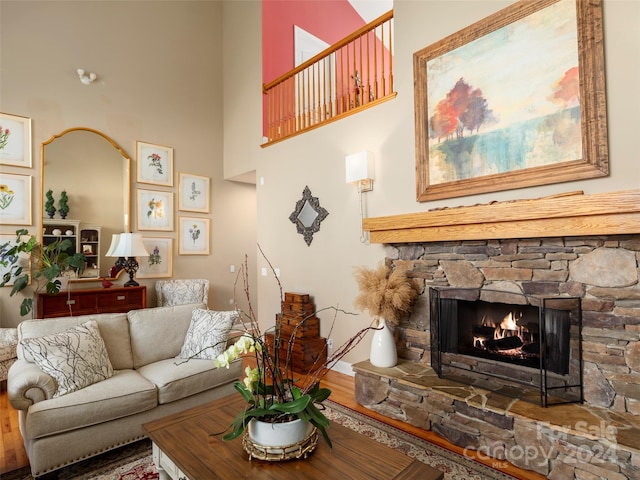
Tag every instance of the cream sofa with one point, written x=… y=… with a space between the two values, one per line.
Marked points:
x=148 y=383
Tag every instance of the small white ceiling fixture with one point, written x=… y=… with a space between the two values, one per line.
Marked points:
x=86 y=78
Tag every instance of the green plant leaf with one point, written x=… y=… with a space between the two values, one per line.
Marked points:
x=26 y=306
x=295 y=406
x=325 y=435
x=244 y=391
x=316 y=416
x=319 y=395
x=19 y=284
x=53 y=288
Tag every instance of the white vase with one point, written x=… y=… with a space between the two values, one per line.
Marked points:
x=383 y=347
x=279 y=435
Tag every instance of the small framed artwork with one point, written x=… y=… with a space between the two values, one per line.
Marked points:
x=15 y=199
x=24 y=259
x=193 y=193
x=154 y=164
x=15 y=140
x=193 y=236
x=159 y=263
x=155 y=210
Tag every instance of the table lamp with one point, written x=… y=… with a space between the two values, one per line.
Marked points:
x=128 y=245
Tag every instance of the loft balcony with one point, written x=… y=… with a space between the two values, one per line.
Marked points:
x=352 y=75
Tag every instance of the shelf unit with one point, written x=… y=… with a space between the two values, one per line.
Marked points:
x=90 y=246
x=85 y=237
x=54 y=229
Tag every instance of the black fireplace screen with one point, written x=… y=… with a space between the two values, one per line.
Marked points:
x=528 y=346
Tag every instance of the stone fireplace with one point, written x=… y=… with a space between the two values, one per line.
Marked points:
x=587 y=248
x=528 y=347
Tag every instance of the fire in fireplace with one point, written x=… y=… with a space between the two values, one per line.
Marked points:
x=528 y=341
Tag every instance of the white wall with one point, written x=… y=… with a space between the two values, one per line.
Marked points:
x=159 y=80
x=316 y=159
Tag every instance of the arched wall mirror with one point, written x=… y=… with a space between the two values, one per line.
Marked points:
x=95 y=173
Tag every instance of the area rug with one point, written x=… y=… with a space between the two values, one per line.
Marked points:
x=130 y=462
x=134 y=462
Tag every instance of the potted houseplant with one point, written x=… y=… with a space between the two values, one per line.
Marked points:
x=51 y=261
x=63 y=204
x=271 y=393
x=388 y=294
x=49 y=205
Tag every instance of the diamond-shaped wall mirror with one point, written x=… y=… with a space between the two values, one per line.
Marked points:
x=307 y=215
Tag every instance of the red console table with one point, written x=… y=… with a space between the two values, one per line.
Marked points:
x=94 y=300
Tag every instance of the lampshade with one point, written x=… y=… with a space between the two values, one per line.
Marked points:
x=129 y=245
x=114 y=243
x=359 y=166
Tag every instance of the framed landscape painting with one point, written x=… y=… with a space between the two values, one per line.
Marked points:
x=15 y=199
x=159 y=263
x=193 y=236
x=155 y=210
x=193 y=193
x=515 y=100
x=154 y=164
x=15 y=140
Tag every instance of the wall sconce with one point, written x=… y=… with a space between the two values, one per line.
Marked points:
x=87 y=79
x=360 y=170
x=127 y=245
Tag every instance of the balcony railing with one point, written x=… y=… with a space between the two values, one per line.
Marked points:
x=349 y=76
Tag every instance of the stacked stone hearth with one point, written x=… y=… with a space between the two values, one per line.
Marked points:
x=598 y=439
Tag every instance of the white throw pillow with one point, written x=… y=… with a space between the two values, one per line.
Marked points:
x=75 y=358
x=208 y=333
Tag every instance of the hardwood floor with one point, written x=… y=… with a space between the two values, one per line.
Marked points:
x=12 y=453
x=13 y=456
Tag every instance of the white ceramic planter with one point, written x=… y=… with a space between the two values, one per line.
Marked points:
x=279 y=435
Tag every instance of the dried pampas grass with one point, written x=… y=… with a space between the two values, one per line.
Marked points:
x=385 y=292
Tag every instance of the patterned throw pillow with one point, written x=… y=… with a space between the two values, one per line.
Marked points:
x=75 y=358
x=183 y=292
x=208 y=333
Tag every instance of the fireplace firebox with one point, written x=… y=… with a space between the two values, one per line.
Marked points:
x=523 y=346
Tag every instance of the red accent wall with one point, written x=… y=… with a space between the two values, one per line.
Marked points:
x=329 y=20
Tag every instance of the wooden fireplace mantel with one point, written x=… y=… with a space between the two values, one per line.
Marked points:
x=570 y=214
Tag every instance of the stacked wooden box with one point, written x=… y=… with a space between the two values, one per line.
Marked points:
x=299 y=327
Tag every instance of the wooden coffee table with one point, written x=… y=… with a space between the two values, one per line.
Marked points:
x=184 y=449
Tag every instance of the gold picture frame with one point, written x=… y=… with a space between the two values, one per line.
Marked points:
x=159 y=263
x=194 y=234
x=154 y=164
x=15 y=140
x=193 y=193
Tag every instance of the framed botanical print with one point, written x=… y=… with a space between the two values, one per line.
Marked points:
x=15 y=140
x=159 y=263
x=154 y=164
x=155 y=210
x=193 y=193
x=193 y=236
x=15 y=199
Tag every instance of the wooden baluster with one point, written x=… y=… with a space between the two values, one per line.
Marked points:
x=390 y=57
